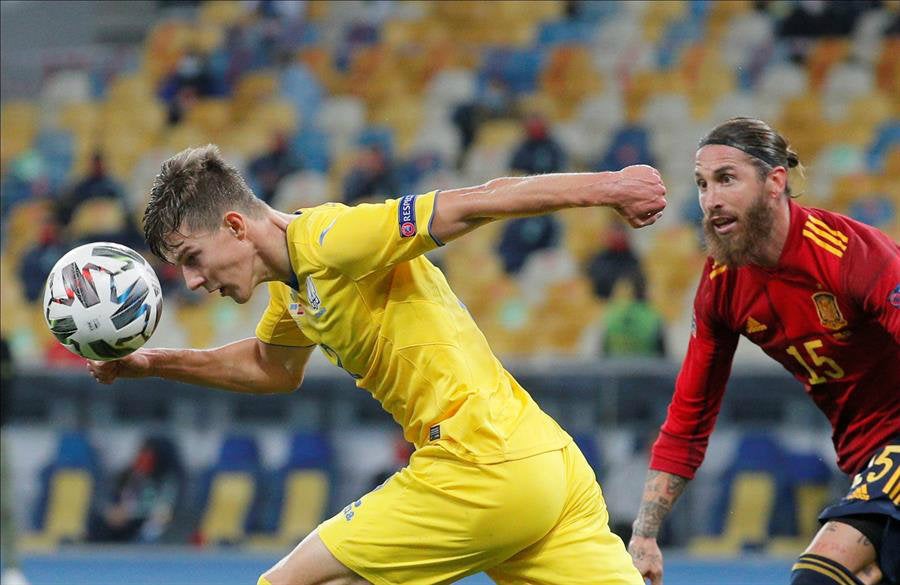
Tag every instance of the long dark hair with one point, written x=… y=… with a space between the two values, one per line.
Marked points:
x=767 y=148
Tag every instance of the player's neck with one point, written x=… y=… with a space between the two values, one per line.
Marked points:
x=273 y=250
x=773 y=248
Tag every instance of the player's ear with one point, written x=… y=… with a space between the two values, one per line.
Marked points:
x=236 y=225
x=776 y=181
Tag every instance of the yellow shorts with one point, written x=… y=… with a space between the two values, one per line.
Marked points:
x=538 y=520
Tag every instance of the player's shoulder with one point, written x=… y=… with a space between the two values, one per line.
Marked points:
x=310 y=220
x=834 y=234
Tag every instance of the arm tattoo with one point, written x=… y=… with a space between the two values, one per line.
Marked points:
x=660 y=492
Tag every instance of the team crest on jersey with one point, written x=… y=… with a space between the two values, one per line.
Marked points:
x=829 y=311
x=894 y=297
x=312 y=297
x=406 y=216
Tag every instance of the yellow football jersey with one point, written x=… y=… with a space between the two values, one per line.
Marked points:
x=380 y=310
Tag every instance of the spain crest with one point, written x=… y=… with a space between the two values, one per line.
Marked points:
x=829 y=311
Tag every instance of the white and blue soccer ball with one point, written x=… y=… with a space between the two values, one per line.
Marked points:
x=102 y=301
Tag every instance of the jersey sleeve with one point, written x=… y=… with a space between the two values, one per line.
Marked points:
x=360 y=240
x=699 y=388
x=276 y=327
x=873 y=279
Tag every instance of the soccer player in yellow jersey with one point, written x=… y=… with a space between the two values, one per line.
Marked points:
x=495 y=484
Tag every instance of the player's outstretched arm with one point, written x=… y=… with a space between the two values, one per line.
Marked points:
x=637 y=193
x=248 y=365
x=660 y=492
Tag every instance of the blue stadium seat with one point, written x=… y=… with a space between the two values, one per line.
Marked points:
x=565 y=32
x=301 y=491
x=518 y=69
x=58 y=150
x=312 y=146
x=753 y=492
x=587 y=442
x=230 y=492
x=67 y=487
x=810 y=478
x=380 y=136
x=888 y=137
x=300 y=87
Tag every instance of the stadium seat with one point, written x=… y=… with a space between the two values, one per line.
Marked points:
x=751 y=488
x=810 y=477
x=229 y=492
x=66 y=492
x=302 y=489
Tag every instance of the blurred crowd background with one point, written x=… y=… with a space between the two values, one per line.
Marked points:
x=365 y=100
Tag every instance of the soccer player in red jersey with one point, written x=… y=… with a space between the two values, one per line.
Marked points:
x=820 y=294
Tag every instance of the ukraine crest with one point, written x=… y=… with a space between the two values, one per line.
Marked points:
x=829 y=311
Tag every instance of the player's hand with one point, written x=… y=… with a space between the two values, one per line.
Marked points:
x=647 y=558
x=640 y=195
x=135 y=365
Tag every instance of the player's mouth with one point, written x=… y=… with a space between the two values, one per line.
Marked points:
x=723 y=224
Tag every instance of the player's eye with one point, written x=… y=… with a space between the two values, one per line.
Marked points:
x=727 y=179
x=701 y=184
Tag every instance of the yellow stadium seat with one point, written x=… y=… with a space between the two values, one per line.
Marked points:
x=305 y=499
x=752 y=499
x=274 y=116
x=222 y=12
x=68 y=506
x=98 y=215
x=18 y=127
x=574 y=308
x=230 y=499
x=253 y=89
x=499 y=133
x=24 y=222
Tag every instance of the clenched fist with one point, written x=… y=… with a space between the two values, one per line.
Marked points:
x=640 y=195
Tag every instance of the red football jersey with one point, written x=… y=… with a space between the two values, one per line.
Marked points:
x=829 y=312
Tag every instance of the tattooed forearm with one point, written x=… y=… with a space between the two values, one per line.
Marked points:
x=660 y=492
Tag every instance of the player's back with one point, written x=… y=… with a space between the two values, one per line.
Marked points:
x=379 y=309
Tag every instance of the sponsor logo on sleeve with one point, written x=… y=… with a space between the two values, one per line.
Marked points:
x=894 y=297
x=406 y=216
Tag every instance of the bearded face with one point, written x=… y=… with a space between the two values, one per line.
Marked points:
x=741 y=242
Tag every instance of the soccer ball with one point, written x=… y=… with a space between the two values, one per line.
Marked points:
x=102 y=301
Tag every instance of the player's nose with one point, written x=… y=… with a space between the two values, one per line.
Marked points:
x=192 y=278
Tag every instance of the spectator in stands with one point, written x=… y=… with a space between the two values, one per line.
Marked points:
x=632 y=327
x=40 y=258
x=372 y=175
x=524 y=236
x=267 y=171
x=615 y=262
x=495 y=101
x=97 y=183
x=629 y=146
x=539 y=153
x=192 y=79
x=144 y=498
